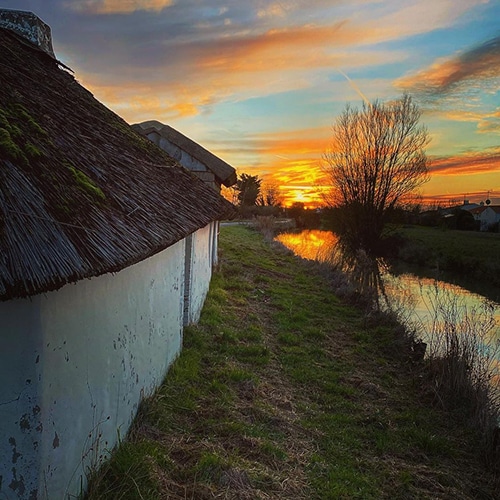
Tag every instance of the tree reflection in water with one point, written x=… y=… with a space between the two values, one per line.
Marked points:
x=416 y=300
x=439 y=313
x=363 y=271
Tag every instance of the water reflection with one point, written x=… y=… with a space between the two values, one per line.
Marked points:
x=364 y=272
x=421 y=302
x=310 y=244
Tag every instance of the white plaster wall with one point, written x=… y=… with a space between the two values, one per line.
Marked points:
x=20 y=375
x=201 y=270
x=184 y=158
x=488 y=218
x=74 y=366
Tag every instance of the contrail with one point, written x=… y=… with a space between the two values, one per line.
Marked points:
x=355 y=87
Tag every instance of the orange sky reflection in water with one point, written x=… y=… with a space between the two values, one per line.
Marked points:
x=421 y=295
x=310 y=244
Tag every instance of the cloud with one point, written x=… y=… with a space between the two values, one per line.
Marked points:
x=398 y=19
x=289 y=159
x=199 y=73
x=446 y=199
x=283 y=144
x=117 y=6
x=197 y=55
x=292 y=160
x=476 y=67
x=487 y=161
x=274 y=9
x=490 y=123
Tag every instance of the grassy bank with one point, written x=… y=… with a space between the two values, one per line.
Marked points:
x=468 y=253
x=283 y=391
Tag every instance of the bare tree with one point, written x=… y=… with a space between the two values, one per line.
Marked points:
x=377 y=158
x=270 y=194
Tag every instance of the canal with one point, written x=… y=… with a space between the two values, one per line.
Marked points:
x=427 y=305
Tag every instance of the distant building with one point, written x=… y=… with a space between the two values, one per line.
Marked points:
x=189 y=154
x=107 y=246
x=488 y=217
x=468 y=206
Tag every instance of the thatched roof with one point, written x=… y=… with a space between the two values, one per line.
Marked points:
x=224 y=173
x=81 y=193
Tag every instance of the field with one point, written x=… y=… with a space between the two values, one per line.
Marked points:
x=469 y=254
x=282 y=391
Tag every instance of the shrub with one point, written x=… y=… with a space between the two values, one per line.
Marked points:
x=265 y=225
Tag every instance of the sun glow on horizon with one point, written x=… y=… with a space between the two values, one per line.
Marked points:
x=261 y=87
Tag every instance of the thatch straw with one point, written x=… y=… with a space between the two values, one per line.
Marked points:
x=84 y=194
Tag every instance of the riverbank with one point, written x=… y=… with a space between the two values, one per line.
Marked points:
x=283 y=391
x=470 y=255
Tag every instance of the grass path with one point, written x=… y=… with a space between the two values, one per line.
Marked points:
x=284 y=392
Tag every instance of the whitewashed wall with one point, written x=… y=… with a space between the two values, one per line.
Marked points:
x=198 y=273
x=488 y=218
x=184 y=158
x=75 y=363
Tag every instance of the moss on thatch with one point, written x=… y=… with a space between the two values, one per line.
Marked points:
x=16 y=127
x=9 y=149
x=81 y=193
x=84 y=182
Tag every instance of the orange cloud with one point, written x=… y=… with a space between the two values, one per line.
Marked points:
x=467 y=176
x=479 y=63
x=447 y=199
x=220 y=57
x=118 y=6
x=199 y=72
x=487 y=122
x=289 y=159
x=293 y=161
x=487 y=161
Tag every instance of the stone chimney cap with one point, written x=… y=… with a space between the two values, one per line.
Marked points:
x=29 y=26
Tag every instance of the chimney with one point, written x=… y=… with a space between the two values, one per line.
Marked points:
x=29 y=26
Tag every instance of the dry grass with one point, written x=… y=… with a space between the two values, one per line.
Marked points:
x=284 y=392
x=463 y=363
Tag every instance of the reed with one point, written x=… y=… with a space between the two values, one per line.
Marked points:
x=463 y=362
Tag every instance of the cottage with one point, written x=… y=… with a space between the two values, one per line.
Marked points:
x=189 y=154
x=203 y=163
x=487 y=217
x=101 y=233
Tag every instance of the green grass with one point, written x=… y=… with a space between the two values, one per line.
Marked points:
x=283 y=391
x=470 y=254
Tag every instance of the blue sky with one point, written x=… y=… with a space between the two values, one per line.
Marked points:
x=260 y=82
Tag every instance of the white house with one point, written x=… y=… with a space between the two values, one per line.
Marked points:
x=203 y=163
x=487 y=215
x=101 y=234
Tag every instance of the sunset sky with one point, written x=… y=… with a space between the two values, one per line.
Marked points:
x=260 y=83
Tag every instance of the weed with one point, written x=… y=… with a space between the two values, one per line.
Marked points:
x=463 y=361
x=209 y=467
x=266 y=225
x=284 y=391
